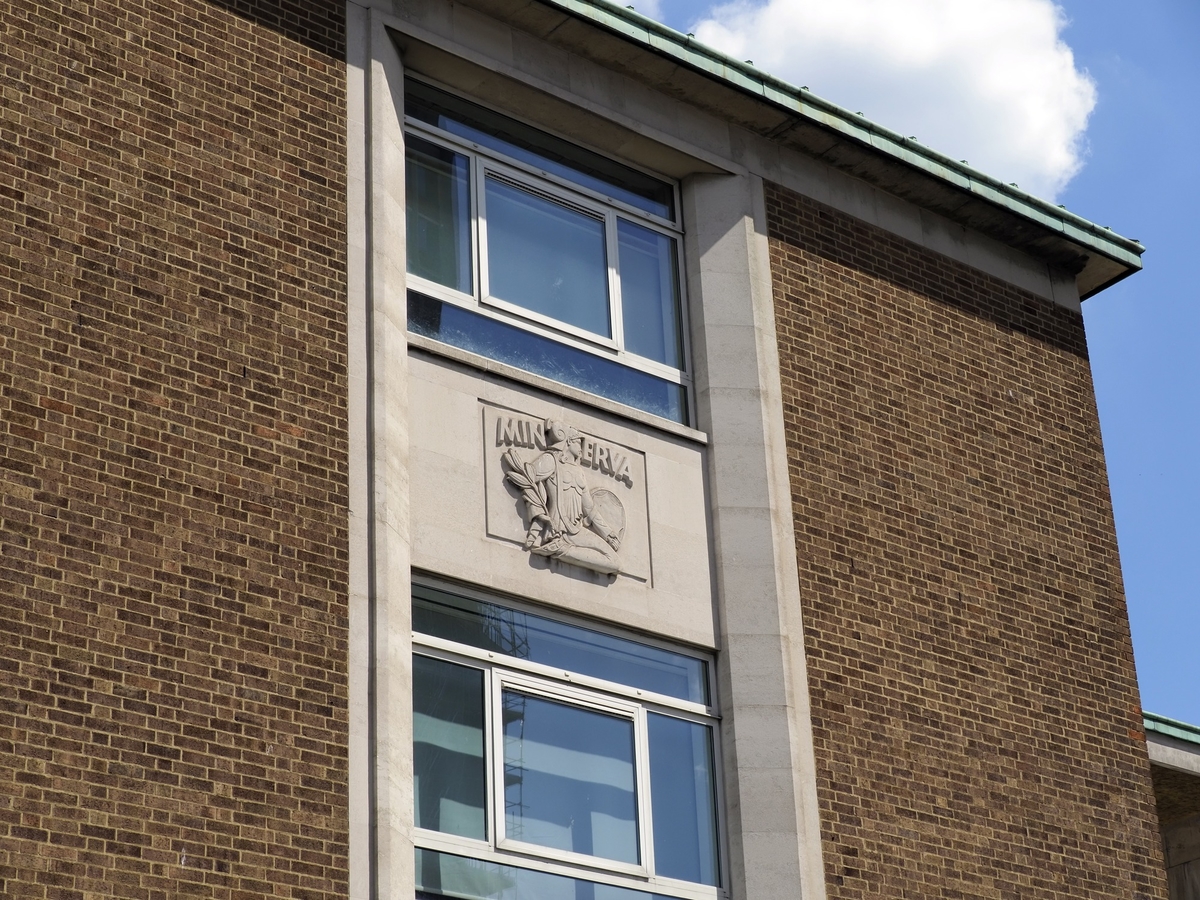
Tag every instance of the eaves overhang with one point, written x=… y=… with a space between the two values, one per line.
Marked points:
x=623 y=39
x=1180 y=731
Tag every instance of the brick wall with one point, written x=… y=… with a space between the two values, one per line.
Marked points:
x=1177 y=795
x=976 y=716
x=172 y=450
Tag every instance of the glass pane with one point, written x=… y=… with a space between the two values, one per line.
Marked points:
x=536 y=148
x=682 y=799
x=649 y=293
x=444 y=875
x=568 y=778
x=449 y=780
x=546 y=357
x=547 y=258
x=437 y=186
x=490 y=626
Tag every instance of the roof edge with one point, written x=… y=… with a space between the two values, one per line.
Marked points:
x=1181 y=731
x=746 y=78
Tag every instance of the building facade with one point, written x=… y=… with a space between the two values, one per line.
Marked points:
x=1175 y=766
x=506 y=449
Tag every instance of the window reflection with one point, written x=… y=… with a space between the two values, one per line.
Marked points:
x=547 y=258
x=449 y=777
x=437 y=195
x=543 y=356
x=442 y=874
x=569 y=778
x=650 y=293
x=547 y=770
x=683 y=799
x=490 y=626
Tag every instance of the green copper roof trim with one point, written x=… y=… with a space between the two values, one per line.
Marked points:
x=1179 y=730
x=688 y=51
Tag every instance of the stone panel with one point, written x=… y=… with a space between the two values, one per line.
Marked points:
x=470 y=523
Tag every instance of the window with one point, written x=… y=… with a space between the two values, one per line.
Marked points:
x=554 y=761
x=533 y=251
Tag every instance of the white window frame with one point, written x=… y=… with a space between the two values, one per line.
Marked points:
x=503 y=680
x=500 y=672
x=513 y=177
x=482 y=161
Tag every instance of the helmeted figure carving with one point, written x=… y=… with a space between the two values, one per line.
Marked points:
x=568 y=521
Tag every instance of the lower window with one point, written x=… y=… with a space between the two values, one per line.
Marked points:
x=447 y=875
x=555 y=761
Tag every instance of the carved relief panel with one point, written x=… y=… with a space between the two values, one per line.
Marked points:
x=564 y=496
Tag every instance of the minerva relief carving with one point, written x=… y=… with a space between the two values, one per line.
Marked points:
x=568 y=519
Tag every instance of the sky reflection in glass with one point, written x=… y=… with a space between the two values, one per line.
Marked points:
x=523 y=635
x=445 y=875
x=569 y=778
x=547 y=258
x=449 y=775
x=683 y=799
x=437 y=195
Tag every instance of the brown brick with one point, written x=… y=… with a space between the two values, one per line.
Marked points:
x=972 y=681
x=173 y=556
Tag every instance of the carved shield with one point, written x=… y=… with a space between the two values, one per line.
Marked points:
x=609 y=506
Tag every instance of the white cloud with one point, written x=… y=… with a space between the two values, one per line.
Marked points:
x=651 y=8
x=990 y=81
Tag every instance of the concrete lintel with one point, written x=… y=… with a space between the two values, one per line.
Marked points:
x=477 y=71
x=1172 y=753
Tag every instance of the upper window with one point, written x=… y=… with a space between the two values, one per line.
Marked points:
x=554 y=761
x=531 y=250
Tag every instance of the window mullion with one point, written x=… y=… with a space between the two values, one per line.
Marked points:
x=479 y=176
x=685 y=348
x=480 y=658
x=641 y=734
x=476 y=223
x=718 y=766
x=549 y=749
x=612 y=248
x=543 y=320
x=495 y=748
x=489 y=740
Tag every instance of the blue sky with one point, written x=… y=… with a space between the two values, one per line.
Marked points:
x=1140 y=175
